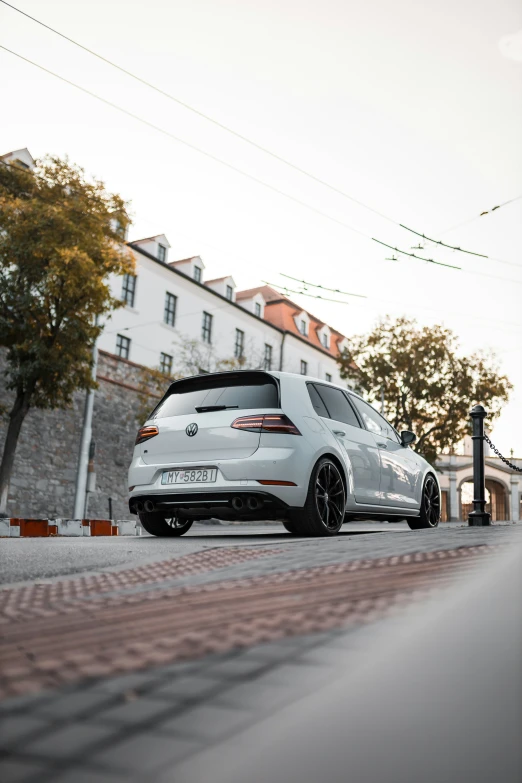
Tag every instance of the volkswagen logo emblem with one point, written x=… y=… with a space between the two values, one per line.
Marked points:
x=191 y=430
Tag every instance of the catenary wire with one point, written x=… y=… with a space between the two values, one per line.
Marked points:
x=485 y=212
x=238 y=135
x=225 y=163
x=323 y=287
x=391 y=302
x=277 y=285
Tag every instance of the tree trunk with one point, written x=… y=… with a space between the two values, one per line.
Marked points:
x=16 y=418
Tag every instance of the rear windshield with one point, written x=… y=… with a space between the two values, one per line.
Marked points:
x=236 y=391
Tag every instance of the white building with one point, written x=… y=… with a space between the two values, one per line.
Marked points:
x=175 y=320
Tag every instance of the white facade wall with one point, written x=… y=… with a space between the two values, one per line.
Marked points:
x=150 y=336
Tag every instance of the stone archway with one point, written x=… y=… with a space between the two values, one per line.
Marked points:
x=497 y=500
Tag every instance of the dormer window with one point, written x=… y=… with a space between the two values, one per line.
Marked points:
x=229 y=293
x=326 y=340
x=257 y=309
x=303 y=327
x=197 y=274
x=162 y=253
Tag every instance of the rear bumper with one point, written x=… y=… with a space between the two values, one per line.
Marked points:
x=201 y=505
x=235 y=477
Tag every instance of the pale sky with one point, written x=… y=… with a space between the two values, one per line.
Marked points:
x=412 y=108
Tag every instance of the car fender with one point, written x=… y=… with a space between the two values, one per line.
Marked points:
x=344 y=461
x=428 y=470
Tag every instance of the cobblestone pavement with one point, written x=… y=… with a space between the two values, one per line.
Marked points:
x=124 y=674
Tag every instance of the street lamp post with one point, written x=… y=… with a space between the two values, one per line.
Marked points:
x=85 y=442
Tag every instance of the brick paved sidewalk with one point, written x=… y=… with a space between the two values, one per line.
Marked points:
x=124 y=675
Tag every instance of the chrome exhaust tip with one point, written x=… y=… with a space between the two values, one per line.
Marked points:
x=148 y=506
x=254 y=503
x=138 y=506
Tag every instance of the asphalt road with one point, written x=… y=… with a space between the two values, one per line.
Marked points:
x=29 y=559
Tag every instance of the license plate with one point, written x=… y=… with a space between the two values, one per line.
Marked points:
x=189 y=476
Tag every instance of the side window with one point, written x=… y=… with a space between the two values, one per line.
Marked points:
x=317 y=401
x=337 y=405
x=373 y=421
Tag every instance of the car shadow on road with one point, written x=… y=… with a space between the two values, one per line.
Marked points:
x=257 y=535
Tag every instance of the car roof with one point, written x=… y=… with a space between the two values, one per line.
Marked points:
x=310 y=379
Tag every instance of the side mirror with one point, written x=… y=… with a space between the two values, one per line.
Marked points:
x=408 y=437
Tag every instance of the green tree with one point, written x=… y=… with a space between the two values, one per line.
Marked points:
x=428 y=386
x=60 y=240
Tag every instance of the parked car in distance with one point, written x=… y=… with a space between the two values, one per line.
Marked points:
x=273 y=445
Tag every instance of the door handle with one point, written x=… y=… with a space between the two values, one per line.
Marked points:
x=341 y=433
x=382 y=445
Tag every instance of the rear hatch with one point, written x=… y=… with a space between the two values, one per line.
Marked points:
x=194 y=418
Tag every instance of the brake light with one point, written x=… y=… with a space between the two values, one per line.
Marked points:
x=145 y=433
x=266 y=422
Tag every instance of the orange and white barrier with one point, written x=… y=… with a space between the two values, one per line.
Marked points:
x=40 y=528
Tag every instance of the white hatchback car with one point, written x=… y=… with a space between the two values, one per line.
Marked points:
x=272 y=445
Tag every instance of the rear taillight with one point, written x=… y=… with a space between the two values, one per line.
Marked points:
x=266 y=422
x=145 y=433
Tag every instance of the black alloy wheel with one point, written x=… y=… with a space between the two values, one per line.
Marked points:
x=323 y=512
x=329 y=496
x=430 y=507
x=157 y=524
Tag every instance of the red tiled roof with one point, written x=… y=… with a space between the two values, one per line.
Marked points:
x=266 y=292
x=281 y=312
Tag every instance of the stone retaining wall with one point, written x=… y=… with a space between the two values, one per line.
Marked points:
x=42 y=484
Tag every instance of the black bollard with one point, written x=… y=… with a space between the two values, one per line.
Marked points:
x=110 y=508
x=479 y=516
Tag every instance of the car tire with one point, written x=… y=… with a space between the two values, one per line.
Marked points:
x=430 y=506
x=323 y=511
x=292 y=527
x=158 y=524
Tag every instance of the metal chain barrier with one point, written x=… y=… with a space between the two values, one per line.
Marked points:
x=497 y=452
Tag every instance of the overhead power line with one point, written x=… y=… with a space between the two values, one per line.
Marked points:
x=303 y=293
x=484 y=212
x=419 y=258
x=215 y=122
x=230 y=130
x=216 y=159
x=443 y=244
x=422 y=306
x=323 y=287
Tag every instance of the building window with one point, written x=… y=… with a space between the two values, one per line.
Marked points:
x=304 y=367
x=162 y=253
x=257 y=309
x=128 y=293
x=166 y=363
x=122 y=346
x=229 y=293
x=303 y=327
x=169 y=315
x=267 y=364
x=197 y=274
x=326 y=341
x=239 y=344
x=206 y=329
x=328 y=377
